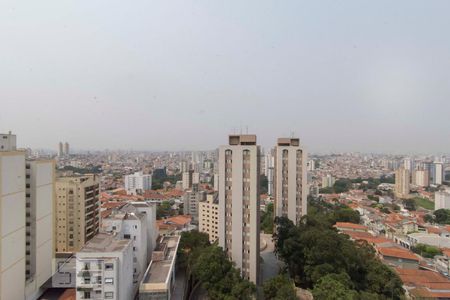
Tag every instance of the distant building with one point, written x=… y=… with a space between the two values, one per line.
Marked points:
x=60 y=149
x=420 y=178
x=438 y=173
x=66 y=149
x=290 y=179
x=209 y=216
x=104 y=269
x=77 y=211
x=328 y=181
x=442 y=200
x=187 y=179
x=191 y=200
x=402 y=183
x=159 y=279
x=138 y=183
x=239 y=203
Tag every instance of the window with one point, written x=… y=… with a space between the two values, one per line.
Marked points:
x=126 y=236
x=109 y=280
x=109 y=267
x=87 y=295
x=109 y=295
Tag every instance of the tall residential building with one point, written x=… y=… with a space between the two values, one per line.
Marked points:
x=209 y=217
x=290 y=179
x=138 y=183
x=402 y=183
x=40 y=199
x=66 y=149
x=104 y=269
x=442 y=199
x=420 y=178
x=239 y=203
x=60 y=149
x=26 y=222
x=187 y=179
x=438 y=173
x=191 y=200
x=328 y=181
x=12 y=219
x=77 y=211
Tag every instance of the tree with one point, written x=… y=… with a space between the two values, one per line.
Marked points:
x=263 y=184
x=330 y=288
x=427 y=251
x=279 y=287
x=267 y=219
x=409 y=204
x=442 y=216
x=164 y=210
x=428 y=218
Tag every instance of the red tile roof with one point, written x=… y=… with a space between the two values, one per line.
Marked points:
x=397 y=252
x=350 y=225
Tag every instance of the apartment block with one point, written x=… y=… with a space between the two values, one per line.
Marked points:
x=209 y=216
x=104 y=269
x=290 y=179
x=138 y=183
x=239 y=203
x=40 y=199
x=191 y=200
x=77 y=211
x=402 y=180
x=12 y=219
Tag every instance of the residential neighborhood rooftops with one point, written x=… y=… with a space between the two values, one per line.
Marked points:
x=397 y=252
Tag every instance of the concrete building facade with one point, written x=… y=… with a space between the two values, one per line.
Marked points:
x=239 y=203
x=138 y=183
x=290 y=179
x=77 y=211
x=104 y=269
x=402 y=179
x=209 y=216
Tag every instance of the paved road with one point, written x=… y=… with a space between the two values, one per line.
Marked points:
x=180 y=283
x=271 y=265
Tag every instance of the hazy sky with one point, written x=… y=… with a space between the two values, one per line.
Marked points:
x=342 y=75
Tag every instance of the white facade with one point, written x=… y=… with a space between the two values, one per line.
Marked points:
x=40 y=200
x=8 y=142
x=137 y=183
x=438 y=173
x=442 y=200
x=104 y=269
x=191 y=200
x=328 y=181
x=130 y=226
x=12 y=223
x=290 y=179
x=239 y=204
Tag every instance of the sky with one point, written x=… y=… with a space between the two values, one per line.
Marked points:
x=369 y=76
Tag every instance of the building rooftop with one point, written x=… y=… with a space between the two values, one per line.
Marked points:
x=398 y=253
x=163 y=261
x=103 y=242
x=350 y=225
x=243 y=139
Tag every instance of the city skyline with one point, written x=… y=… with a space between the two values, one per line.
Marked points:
x=341 y=75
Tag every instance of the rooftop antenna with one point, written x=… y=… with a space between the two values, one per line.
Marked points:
x=241 y=127
x=292 y=134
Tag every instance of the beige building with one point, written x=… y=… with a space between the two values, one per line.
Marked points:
x=402 y=183
x=239 y=204
x=40 y=201
x=26 y=222
x=12 y=219
x=209 y=216
x=77 y=211
x=290 y=179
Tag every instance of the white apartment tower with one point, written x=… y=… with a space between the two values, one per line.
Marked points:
x=239 y=204
x=12 y=219
x=40 y=199
x=138 y=183
x=26 y=222
x=290 y=179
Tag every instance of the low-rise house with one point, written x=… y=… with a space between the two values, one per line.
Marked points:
x=424 y=284
x=398 y=257
x=346 y=226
